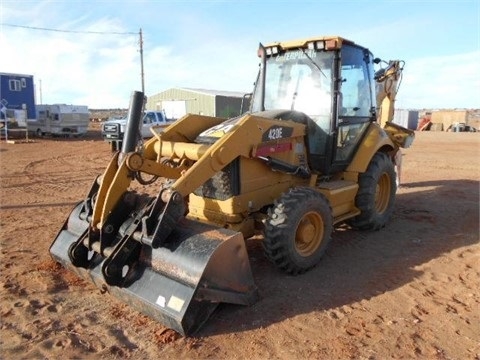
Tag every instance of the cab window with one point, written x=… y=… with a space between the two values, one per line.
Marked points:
x=356 y=95
x=356 y=108
x=149 y=118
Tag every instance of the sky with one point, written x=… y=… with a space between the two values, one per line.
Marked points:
x=93 y=56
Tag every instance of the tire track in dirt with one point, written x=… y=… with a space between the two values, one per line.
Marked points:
x=58 y=176
x=407 y=291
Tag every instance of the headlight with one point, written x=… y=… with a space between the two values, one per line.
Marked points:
x=316 y=45
x=272 y=50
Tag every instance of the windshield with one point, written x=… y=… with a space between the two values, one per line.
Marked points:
x=298 y=80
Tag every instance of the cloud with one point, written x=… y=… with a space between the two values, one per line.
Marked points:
x=204 y=46
x=101 y=70
x=451 y=81
x=220 y=65
x=88 y=68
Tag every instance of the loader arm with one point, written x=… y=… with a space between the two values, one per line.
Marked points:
x=239 y=140
x=195 y=163
x=119 y=173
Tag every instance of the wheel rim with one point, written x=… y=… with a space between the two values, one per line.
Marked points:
x=309 y=234
x=382 y=193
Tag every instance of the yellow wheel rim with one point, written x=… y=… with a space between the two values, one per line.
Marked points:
x=309 y=234
x=382 y=193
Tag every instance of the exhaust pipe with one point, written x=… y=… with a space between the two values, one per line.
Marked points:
x=132 y=129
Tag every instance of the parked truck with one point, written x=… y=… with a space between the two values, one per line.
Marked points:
x=113 y=130
x=60 y=120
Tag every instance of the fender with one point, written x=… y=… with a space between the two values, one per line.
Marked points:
x=375 y=139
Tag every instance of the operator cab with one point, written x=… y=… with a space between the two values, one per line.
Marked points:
x=331 y=81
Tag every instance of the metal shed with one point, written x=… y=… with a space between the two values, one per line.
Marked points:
x=406 y=118
x=17 y=94
x=177 y=102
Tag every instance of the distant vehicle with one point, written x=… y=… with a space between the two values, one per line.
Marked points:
x=113 y=129
x=461 y=127
x=60 y=120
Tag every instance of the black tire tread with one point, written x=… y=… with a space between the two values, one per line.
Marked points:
x=369 y=219
x=281 y=222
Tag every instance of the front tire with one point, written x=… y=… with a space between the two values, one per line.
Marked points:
x=376 y=194
x=298 y=230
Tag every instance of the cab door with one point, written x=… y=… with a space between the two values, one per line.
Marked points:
x=148 y=121
x=356 y=104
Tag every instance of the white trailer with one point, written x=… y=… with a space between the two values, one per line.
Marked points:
x=60 y=120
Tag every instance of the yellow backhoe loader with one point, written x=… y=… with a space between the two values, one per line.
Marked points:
x=317 y=148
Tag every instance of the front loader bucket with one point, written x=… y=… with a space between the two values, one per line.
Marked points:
x=179 y=284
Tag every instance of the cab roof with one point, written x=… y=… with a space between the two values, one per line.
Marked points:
x=336 y=41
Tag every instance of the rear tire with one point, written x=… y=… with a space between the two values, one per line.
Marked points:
x=298 y=230
x=376 y=194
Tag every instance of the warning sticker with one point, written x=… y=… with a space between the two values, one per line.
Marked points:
x=160 y=301
x=175 y=303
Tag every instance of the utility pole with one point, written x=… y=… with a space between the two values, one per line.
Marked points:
x=141 y=62
x=41 y=100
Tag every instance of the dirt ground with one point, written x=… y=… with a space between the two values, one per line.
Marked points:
x=410 y=290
